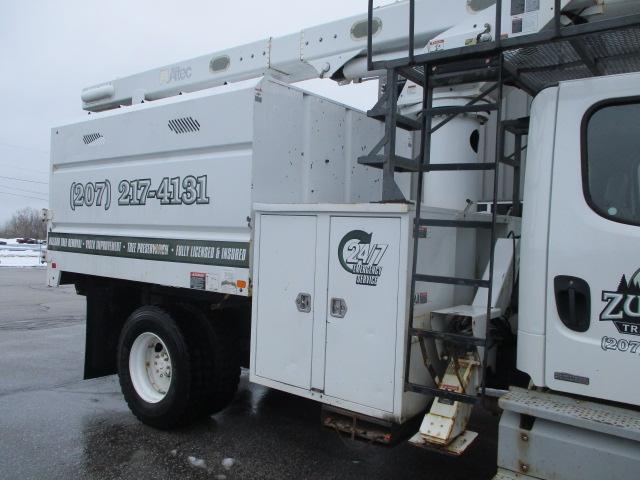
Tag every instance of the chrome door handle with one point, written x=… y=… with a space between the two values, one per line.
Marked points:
x=303 y=302
x=338 y=307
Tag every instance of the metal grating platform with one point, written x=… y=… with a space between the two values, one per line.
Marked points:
x=602 y=53
x=535 y=61
x=544 y=64
x=606 y=419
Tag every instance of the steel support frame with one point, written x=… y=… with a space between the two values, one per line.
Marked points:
x=555 y=34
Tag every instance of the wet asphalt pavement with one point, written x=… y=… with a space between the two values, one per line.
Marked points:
x=55 y=425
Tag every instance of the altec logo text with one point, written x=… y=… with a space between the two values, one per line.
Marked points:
x=360 y=257
x=623 y=306
x=175 y=74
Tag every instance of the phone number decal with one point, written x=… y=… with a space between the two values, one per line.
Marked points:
x=190 y=190
x=620 y=345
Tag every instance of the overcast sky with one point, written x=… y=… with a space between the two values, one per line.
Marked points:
x=51 y=49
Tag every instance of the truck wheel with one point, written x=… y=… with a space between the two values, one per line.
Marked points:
x=154 y=368
x=174 y=367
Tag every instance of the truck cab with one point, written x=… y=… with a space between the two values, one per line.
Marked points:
x=579 y=312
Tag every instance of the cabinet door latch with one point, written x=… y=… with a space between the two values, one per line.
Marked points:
x=303 y=302
x=338 y=307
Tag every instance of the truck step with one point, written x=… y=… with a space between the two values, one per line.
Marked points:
x=610 y=420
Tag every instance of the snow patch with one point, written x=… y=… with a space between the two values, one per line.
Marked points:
x=21 y=258
x=13 y=254
x=197 y=462
x=227 y=463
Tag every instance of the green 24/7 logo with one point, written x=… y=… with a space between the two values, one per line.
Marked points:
x=362 y=258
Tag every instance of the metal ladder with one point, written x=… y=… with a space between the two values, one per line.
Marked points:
x=486 y=69
x=431 y=76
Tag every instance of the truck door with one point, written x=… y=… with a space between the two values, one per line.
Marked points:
x=593 y=283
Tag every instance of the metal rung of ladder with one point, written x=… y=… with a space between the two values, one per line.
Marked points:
x=401 y=164
x=449 y=167
x=441 y=393
x=434 y=222
x=460 y=109
x=463 y=282
x=402 y=121
x=449 y=337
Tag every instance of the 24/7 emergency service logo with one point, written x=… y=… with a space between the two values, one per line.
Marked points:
x=623 y=306
x=360 y=257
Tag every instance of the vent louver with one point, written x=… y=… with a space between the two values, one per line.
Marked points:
x=91 y=138
x=184 y=125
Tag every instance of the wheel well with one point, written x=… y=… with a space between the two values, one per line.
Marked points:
x=111 y=301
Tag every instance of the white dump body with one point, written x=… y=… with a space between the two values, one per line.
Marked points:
x=162 y=192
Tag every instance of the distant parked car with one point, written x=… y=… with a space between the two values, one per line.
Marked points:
x=26 y=240
x=2 y=242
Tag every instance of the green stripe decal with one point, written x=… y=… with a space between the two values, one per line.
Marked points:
x=224 y=254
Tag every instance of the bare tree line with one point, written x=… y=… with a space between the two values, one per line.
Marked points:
x=25 y=223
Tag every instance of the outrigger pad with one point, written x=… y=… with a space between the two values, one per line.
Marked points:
x=454 y=449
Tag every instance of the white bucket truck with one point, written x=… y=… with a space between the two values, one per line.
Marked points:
x=215 y=216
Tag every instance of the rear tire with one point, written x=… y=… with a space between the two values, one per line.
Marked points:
x=203 y=371
x=215 y=360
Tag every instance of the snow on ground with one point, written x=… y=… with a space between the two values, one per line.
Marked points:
x=14 y=254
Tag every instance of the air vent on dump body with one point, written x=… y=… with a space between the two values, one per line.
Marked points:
x=184 y=125
x=91 y=138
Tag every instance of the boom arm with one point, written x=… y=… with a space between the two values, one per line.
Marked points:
x=335 y=50
x=320 y=51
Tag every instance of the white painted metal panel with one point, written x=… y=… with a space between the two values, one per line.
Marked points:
x=535 y=236
x=283 y=332
x=601 y=361
x=256 y=141
x=306 y=149
x=404 y=404
x=363 y=271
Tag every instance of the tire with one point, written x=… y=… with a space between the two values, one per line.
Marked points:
x=201 y=378
x=215 y=360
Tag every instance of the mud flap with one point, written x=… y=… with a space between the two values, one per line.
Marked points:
x=100 y=344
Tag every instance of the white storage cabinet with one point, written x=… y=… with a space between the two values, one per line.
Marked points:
x=331 y=302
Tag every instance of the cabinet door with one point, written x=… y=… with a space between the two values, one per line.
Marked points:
x=362 y=310
x=284 y=317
